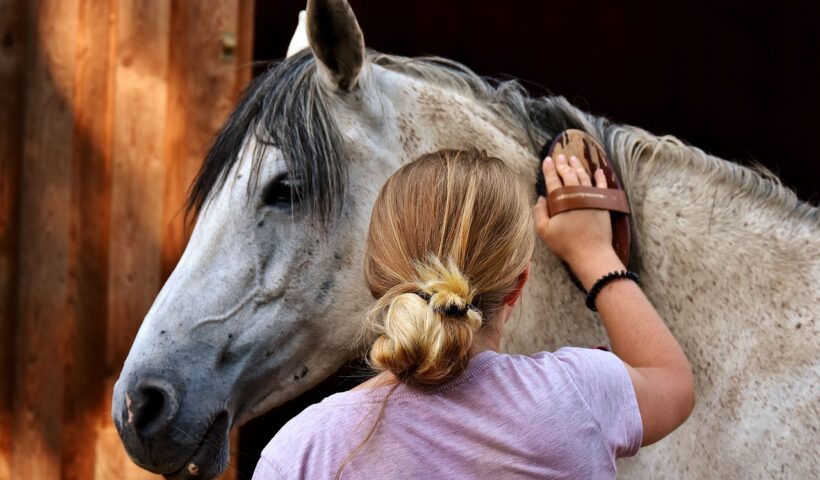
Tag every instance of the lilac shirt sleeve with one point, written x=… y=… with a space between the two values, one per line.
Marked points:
x=605 y=385
x=266 y=471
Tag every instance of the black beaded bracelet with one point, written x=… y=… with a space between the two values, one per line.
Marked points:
x=603 y=281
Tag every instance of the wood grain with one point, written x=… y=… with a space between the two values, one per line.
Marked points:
x=137 y=182
x=12 y=56
x=138 y=176
x=84 y=372
x=247 y=10
x=107 y=109
x=47 y=259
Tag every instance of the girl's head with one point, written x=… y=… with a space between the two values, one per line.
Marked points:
x=450 y=236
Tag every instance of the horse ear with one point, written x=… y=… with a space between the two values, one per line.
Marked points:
x=336 y=41
x=299 y=40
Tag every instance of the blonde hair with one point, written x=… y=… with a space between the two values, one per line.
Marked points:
x=449 y=235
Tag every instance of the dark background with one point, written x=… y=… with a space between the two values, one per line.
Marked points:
x=738 y=79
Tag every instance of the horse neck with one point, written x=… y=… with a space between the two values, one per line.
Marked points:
x=698 y=219
x=712 y=239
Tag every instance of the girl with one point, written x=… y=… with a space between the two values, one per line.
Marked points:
x=448 y=253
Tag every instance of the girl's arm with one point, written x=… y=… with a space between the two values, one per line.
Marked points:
x=660 y=372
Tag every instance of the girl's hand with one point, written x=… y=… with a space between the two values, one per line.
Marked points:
x=576 y=236
x=658 y=367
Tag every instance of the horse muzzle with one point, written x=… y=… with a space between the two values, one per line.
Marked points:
x=161 y=437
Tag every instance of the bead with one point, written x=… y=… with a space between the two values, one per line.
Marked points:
x=603 y=281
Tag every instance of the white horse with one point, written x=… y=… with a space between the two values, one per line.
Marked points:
x=269 y=293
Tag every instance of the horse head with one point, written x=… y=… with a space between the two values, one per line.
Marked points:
x=267 y=297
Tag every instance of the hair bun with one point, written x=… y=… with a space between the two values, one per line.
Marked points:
x=425 y=334
x=446 y=288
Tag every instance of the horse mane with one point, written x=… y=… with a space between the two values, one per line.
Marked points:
x=631 y=148
x=638 y=149
x=286 y=108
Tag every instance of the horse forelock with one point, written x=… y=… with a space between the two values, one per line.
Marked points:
x=284 y=108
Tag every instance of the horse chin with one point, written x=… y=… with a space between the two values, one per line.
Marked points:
x=264 y=404
x=211 y=455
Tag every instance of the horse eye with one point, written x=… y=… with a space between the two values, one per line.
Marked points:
x=281 y=193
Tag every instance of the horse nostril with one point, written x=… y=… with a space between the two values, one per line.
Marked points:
x=151 y=407
x=152 y=402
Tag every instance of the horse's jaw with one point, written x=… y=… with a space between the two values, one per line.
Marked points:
x=240 y=326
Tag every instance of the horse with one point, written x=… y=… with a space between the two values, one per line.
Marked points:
x=267 y=299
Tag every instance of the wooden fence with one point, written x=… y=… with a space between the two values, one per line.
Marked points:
x=106 y=109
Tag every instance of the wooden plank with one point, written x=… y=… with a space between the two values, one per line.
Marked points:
x=84 y=372
x=46 y=262
x=138 y=177
x=137 y=187
x=12 y=67
x=81 y=282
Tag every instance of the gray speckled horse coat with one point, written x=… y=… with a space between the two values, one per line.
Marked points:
x=268 y=296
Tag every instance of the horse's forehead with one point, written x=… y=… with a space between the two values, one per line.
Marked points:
x=272 y=161
x=245 y=176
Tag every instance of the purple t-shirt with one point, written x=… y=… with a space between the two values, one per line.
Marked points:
x=567 y=414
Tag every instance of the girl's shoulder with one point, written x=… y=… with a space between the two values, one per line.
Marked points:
x=562 y=364
x=309 y=438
